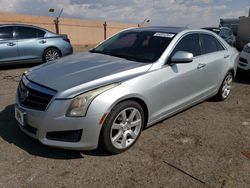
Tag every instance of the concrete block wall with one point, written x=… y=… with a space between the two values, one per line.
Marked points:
x=79 y=31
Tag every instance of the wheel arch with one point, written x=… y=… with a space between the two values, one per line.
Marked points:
x=141 y=102
x=232 y=71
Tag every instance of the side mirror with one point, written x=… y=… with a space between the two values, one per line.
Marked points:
x=182 y=57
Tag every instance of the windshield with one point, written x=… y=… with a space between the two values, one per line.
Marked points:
x=142 y=46
x=224 y=33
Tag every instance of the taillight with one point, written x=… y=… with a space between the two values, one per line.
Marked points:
x=67 y=40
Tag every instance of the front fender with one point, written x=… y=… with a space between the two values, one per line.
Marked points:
x=106 y=101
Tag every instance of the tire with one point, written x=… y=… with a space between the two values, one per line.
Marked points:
x=225 y=88
x=120 y=130
x=51 y=54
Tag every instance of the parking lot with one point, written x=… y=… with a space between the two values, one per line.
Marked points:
x=207 y=145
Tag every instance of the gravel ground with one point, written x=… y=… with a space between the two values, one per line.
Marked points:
x=207 y=145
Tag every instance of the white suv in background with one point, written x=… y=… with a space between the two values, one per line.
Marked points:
x=244 y=62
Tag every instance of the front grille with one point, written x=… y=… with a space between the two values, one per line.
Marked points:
x=243 y=65
x=243 y=60
x=34 y=96
x=30 y=129
x=65 y=136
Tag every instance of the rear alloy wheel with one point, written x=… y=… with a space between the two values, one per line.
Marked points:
x=51 y=54
x=122 y=127
x=225 y=87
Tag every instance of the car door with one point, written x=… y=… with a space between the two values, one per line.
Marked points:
x=182 y=83
x=215 y=57
x=30 y=42
x=8 y=45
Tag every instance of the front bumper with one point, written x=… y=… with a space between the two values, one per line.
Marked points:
x=40 y=125
x=244 y=61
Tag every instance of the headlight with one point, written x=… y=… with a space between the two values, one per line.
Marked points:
x=79 y=105
x=246 y=48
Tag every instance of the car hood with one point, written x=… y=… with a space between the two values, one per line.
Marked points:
x=82 y=72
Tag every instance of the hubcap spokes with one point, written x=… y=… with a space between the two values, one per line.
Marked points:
x=52 y=55
x=126 y=128
x=227 y=86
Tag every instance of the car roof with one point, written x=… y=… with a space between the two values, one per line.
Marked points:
x=25 y=25
x=174 y=30
x=211 y=28
x=219 y=28
x=16 y=24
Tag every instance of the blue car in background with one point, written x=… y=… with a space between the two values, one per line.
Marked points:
x=26 y=43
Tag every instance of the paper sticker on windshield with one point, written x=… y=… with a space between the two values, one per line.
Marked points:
x=167 y=35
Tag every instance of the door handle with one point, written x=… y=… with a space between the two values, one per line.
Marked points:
x=11 y=44
x=201 y=65
x=226 y=56
x=42 y=41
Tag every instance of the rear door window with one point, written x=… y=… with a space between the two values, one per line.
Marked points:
x=189 y=43
x=6 y=33
x=210 y=44
x=29 y=32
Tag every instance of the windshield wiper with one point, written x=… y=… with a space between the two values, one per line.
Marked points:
x=131 y=58
x=127 y=57
x=93 y=51
x=102 y=52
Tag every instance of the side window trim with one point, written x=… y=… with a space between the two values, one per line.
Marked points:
x=15 y=32
x=12 y=28
x=221 y=43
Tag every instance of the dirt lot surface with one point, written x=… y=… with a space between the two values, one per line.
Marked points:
x=207 y=145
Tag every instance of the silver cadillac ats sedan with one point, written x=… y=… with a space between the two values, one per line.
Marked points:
x=130 y=81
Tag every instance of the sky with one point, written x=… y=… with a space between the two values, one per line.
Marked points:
x=191 y=13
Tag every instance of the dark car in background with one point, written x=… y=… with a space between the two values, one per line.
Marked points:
x=232 y=23
x=225 y=32
x=26 y=43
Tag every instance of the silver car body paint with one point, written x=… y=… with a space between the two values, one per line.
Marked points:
x=165 y=89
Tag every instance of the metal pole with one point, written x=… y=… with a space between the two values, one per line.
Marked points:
x=56 y=21
x=60 y=13
x=144 y=21
x=105 y=30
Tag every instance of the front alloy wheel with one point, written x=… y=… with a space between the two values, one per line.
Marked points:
x=126 y=128
x=122 y=127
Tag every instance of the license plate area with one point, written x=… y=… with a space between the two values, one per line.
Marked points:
x=20 y=116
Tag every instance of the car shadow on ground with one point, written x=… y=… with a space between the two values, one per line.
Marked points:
x=18 y=66
x=11 y=133
x=242 y=77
